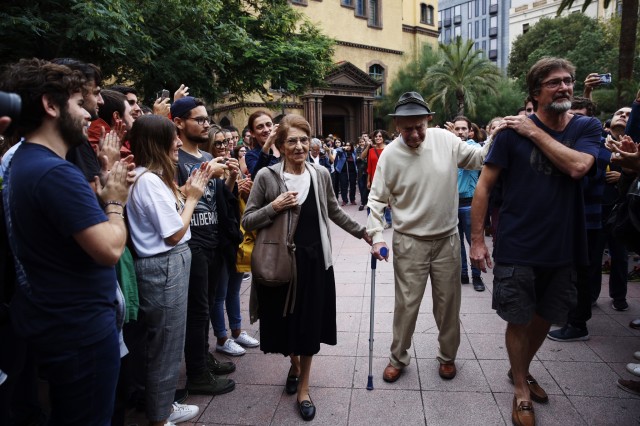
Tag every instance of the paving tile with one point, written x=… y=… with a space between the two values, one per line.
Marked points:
x=476 y=305
x=332 y=371
x=613 y=348
x=607 y=325
x=349 y=304
x=382 y=290
x=483 y=323
x=385 y=407
x=566 y=351
x=461 y=408
x=353 y=290
x=599 y=411
x=246 y=405
x=585 y=378
x=347 y=345
x=488 y=346
x=469 y=377
x=383 y=303
x=261 y=369
x=382 y=322
x=348 y=321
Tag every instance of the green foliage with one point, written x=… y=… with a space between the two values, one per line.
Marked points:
x=416 y=76
x=213 y=46
x=576 y=37
x=508 y=99
x=462 y=74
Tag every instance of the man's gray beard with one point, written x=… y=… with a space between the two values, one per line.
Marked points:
x=559 y=107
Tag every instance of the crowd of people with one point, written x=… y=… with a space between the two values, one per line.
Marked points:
x=128 y=231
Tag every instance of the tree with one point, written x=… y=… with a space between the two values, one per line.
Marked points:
x=462 y=73
x=216 y=47
x=582 y=40
x=627 y=41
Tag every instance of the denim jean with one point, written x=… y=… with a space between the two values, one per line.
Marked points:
x=347 y=185
x=387 y=214
x=163 y=282
x=464 y=229
x=82 y=381
x=228 y=290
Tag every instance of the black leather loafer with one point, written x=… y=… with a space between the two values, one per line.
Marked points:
x=291 y=386
x=307 y=410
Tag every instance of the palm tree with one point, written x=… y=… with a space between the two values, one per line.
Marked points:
x=627 y=42
x=462 y=73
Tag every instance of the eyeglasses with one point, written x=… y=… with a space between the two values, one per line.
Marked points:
x=200 y=120
x=304 y=140
x=222 y=143
x=556 y=82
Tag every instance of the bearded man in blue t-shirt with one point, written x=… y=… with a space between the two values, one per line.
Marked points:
x=541 y=238
x=65 y=245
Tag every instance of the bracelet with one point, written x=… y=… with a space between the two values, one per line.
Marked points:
x=118 y=213
x=116 y=203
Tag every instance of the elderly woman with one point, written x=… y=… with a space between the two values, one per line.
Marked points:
x=298 y=334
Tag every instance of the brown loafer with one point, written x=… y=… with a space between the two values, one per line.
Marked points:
x=447 y=371
x=522 y=414
x=391 y=373
x=537 y=393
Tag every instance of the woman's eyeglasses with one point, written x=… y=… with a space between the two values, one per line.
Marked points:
x=304 y=140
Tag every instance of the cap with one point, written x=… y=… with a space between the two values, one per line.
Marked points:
x=182 y=106
x=411 y=104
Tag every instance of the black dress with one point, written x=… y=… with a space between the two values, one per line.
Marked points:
x=313 y=320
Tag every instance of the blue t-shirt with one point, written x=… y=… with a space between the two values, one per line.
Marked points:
x=64 y=298
x=542 y=221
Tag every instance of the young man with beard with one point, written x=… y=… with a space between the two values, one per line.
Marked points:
x=541 y=160
x=64 y=244
x=192 y=121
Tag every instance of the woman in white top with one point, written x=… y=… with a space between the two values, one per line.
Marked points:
x=159 y=216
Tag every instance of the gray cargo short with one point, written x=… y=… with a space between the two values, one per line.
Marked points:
x=519 y=291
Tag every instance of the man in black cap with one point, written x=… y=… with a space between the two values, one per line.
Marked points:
x=192 y=122
x=417 y=173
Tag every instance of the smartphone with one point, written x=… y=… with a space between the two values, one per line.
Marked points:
x=605 y=78
x=165 y=94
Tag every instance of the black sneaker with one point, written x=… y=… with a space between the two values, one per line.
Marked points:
x=219 y=368
x=464 y=279
x=208 y=384
x=360 y=208
x=620 y=305
x=478 y=284
x=569 y=333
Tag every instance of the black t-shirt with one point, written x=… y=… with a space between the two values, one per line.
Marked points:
x=85 y=158
x=542 y=220
x=204 y=222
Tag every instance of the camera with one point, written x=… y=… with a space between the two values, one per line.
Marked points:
x=605 y=78
x=10 y=106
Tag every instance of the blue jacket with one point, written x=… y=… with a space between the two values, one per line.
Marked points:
x=341 y=159
x=468 y=179
x=324 y=161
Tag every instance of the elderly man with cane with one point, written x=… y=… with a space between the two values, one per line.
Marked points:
x=417 y=174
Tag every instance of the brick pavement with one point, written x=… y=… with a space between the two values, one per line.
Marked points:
x=580 y=377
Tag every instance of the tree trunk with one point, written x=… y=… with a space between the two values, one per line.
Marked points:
x=627 y=46
x=460 y=99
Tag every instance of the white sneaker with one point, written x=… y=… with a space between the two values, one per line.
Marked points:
x=169 y=424
x=247 y=341
x=182 y=413
x=633 y=369
x=246 y=276
x=230 y=348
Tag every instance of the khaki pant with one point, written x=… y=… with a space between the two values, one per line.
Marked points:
x=414 y=261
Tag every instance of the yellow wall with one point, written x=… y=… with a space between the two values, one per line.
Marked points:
x=340 y=23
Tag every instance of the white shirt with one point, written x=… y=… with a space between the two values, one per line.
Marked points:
x=298 y=183
x=152 y=212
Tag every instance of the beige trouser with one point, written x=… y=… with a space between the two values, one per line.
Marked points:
x=414 y=261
